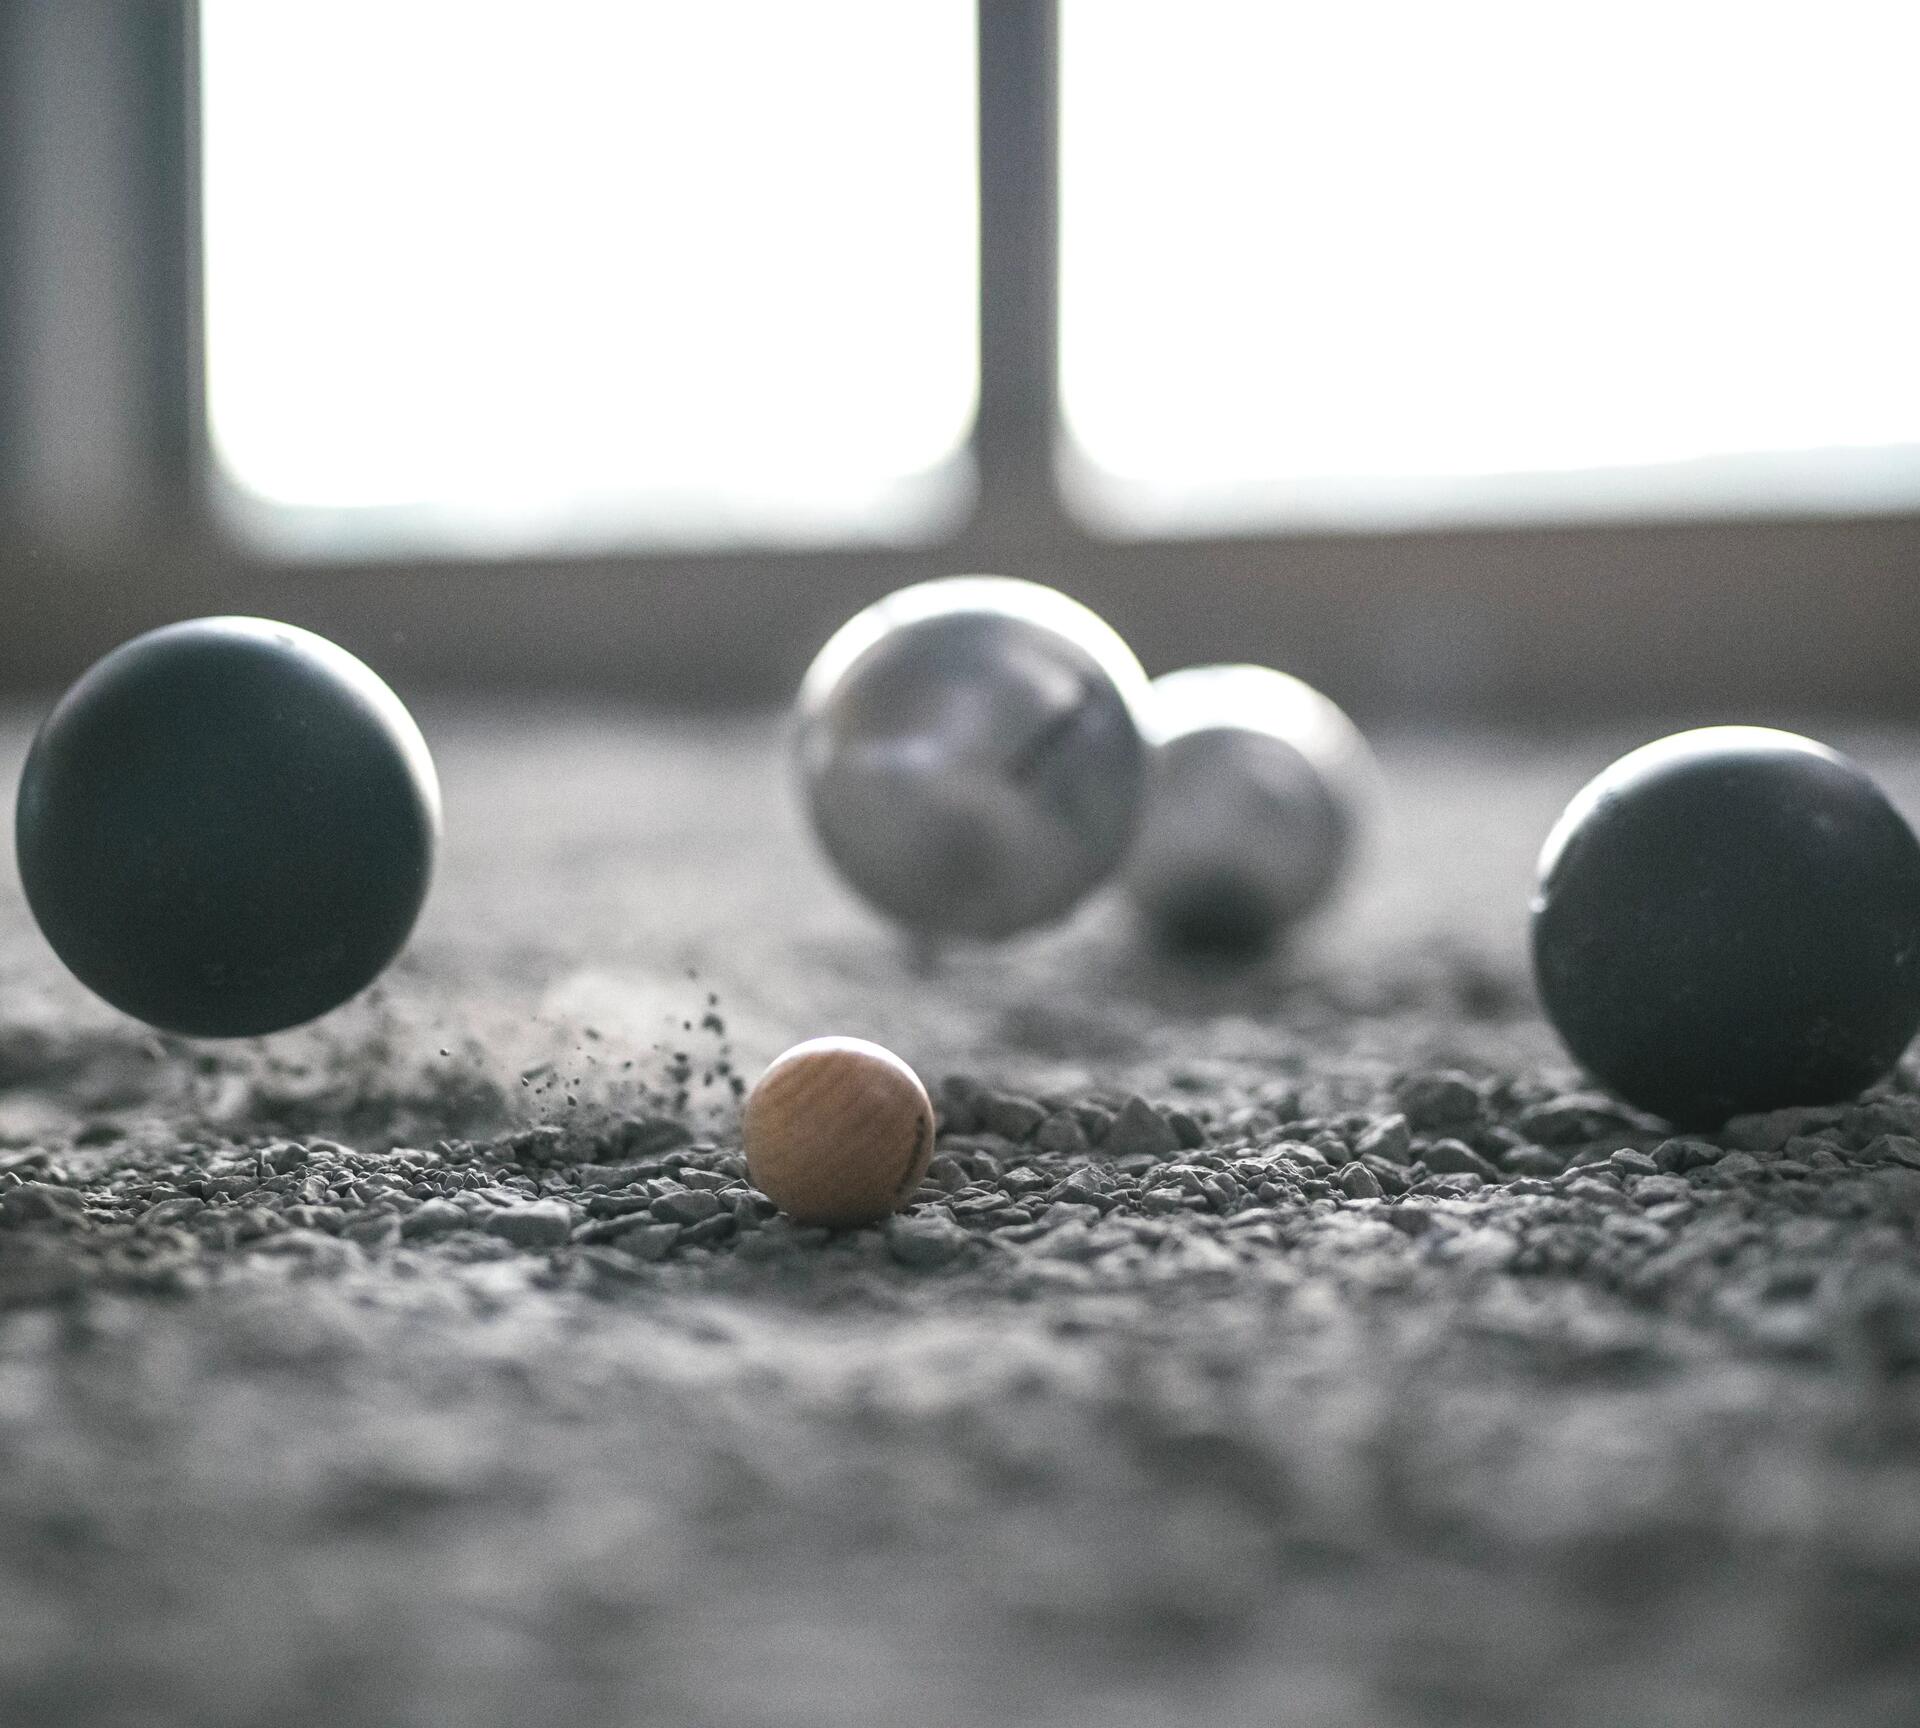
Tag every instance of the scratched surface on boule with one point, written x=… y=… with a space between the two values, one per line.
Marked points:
x=1302 y=1346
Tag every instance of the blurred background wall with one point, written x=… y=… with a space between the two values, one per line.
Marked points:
x=1476 y=367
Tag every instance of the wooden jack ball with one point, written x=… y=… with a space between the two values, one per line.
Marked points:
x=838 y=1132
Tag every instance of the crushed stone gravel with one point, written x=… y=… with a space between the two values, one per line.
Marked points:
x=1304 y=1344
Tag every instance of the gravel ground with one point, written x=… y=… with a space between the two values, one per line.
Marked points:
x=1298 y=1345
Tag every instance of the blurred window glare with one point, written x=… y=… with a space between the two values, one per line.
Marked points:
x=503 y=276
x=1386 y=261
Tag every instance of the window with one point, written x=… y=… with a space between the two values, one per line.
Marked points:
x=1386 y=262
x=493 y=277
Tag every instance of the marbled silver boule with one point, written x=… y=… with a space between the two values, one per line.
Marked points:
x=970 y=754
x=1257 y=793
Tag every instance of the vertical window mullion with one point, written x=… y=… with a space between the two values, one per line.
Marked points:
x=168 y=268
x=12 y=421
x=1019 y=249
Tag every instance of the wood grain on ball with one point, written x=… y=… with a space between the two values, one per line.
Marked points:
x=838 y=1132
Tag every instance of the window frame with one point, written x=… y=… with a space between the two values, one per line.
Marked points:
x=1551 y=622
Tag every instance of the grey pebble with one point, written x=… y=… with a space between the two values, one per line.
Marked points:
x=41 y=1200
x=1087 y=1185
x=1595 y=1192
x=1391 y=1177
x=1892 y=1149
x=956 y=1099
x=611 y=1176
x=1685 y=1154
x=1010 y=1117
x=925 y=1241
x=433 y=1218
x=1061 y=1132
x=1138 y=1130
x=382 y=1230
x=686 y=1206
x=1390 y=1138
x=714 y=1229
x=711 y=1180
x=1459 y=1182
x=640 y=1135
x=1068 y=1212
x=1096 y=1119
x=1770 y=1130
x=1485 y=1249
x=1443 y=1100
x=1533 y=1161
x=174 y=1211
x=1457 y=1158
x=329 y=1218
x=649 y=1241
x=1576 y=1117
x=1359 y=1182
x=1628 y=1162
x=947 y=1175
x=538 y=1224
x=1188 y=1129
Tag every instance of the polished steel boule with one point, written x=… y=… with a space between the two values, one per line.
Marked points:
x=1258 y=790
x=970 y=754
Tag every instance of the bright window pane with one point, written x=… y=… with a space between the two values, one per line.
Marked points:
x=1381 y=260
x=511 y=274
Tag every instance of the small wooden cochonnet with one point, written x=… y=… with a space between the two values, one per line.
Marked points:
x=838 y=1132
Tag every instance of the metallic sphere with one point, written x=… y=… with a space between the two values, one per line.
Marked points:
x=1257 y=793
x=970 y=755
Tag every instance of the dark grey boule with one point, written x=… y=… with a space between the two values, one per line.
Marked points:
x=227 y=827
x=1728 y=920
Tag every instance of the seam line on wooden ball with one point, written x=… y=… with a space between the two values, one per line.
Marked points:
x=920 y=1152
